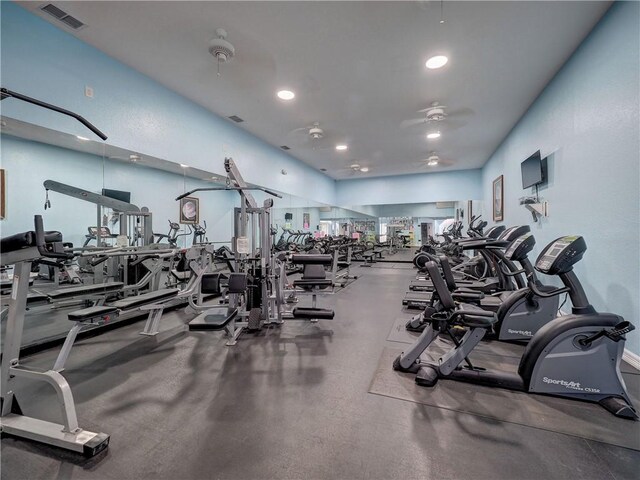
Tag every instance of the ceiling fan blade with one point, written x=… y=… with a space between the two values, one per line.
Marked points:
x=451 y=124
x=413 y=122
x=461 y=112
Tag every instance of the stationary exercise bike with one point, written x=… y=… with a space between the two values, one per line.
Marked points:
x=520 y=313
x=575 y=356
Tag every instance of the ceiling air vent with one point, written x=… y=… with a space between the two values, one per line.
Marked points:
x=63 y=16
x=236 y=119
x=284 y=147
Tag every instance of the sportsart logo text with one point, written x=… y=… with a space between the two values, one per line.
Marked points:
x=525 y=333
x=570 y=385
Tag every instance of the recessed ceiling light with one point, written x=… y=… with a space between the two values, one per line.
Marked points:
x=184 y=166
x=286 y=95
x=364 y=169
x=84 y=139
x=341 y=147
x=433 y=135
x=438 y=61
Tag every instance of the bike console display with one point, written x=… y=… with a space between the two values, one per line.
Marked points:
x=520 y=247
x=560 y=255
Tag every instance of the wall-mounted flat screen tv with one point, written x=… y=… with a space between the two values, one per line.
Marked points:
x=533 y=170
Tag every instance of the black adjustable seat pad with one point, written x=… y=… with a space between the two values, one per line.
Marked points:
x=146 y=298
x=91 y=312
x=313 y=273
x=27 y=239
x=473 y=316
x=85 y=290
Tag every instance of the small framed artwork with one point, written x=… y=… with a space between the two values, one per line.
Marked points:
x=306 y=219
x=3 y=195
x=498 y=199
x=189 y=210
x=469 y=211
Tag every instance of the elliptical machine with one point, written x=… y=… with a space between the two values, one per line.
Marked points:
x=575 y=356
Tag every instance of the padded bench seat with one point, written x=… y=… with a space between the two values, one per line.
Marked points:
x=146 y=298
x=319 y=282
x=91 y=312
x=98 y=288
x=212 y=321
x=27 y=239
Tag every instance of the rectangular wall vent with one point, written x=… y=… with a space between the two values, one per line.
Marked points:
x=445 y=204
x=63 y=16
x=236 y=119
x=284 y=147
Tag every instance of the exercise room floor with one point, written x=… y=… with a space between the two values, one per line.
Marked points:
x=291 y=402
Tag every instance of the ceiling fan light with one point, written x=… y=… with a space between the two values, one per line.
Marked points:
x=286 y=95
x=437 y=61
x=432 y=163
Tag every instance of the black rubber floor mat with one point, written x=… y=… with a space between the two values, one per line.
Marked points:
x=580 y=419
x=400 y=334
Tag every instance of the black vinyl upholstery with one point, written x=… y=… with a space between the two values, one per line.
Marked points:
x=146 y=298
x=26 y=239
x=85 y=290
x=91 y=312
x=441 y=288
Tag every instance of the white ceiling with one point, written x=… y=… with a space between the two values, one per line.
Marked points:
x=356 y=67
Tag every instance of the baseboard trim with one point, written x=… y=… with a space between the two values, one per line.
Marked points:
x=631 y=358
x=628 y=356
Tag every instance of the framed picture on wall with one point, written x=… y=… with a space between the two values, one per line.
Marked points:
x=469 y=211
x=3 y=195
x=498 y=199
x=189 y=210
x=306 y=219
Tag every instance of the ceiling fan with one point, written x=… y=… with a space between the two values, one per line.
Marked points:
x=312 y=136
x=439 y=114
x=434 y=160
x=353 y=169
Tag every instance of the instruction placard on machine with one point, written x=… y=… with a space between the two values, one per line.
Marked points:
x=242 y=245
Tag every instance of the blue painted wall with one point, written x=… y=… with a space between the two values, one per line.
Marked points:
x=424 y=188
x=28 y=164
x=136 y=112
x=586 y=121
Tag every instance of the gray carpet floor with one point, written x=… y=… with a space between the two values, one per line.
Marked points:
x=289 y=402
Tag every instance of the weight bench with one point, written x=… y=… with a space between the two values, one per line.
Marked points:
x=214 y=319
x=314 y=279
x=99 y=315
x=369 y=259
x=148 y=302
x=84 y=290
